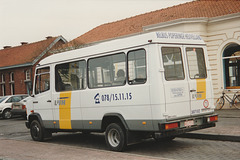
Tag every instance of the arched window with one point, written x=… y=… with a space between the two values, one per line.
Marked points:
x=11 y=77
x=231 y=66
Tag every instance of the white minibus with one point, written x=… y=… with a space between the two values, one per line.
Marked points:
x=155 y=84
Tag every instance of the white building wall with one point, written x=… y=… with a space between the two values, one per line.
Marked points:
x=217 y=32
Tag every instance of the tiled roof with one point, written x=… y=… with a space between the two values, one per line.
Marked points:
x=195 y=9
x=23 y=54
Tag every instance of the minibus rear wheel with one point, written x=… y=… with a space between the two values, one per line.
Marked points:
x=115 y=137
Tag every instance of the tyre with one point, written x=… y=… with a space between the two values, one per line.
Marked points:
x=115 y=137
x=7 y=114
x=38 y=133
x=237 y=102
x=220 y=103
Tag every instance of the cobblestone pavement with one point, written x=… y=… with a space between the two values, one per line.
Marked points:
x=190 y=149
x=73 y=146
x=16 y=144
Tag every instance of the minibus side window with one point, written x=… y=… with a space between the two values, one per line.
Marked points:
x=70 y=76
x=42 y=80
x=107 y=71
x=137 y=67
x=172 y=63
x=196 y=63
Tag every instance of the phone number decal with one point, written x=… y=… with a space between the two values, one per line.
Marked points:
x=112 y=97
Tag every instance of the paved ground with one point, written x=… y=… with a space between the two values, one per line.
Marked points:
x=227 y=128
x=29 y=150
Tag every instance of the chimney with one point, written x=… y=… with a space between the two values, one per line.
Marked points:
x=48 y=37
x=5 y=47
x=23 y=43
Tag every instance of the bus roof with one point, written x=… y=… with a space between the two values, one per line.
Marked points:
x=124 y=43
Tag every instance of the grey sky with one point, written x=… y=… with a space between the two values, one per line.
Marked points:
x=33 y=20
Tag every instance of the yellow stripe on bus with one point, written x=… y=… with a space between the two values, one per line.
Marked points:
x=65 y=110
x=201 y=89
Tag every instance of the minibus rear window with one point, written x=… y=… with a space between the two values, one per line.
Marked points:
x=196 y=63
x=172 y=63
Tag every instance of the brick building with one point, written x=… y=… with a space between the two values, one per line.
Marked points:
x=216 y=21
x=17 y=64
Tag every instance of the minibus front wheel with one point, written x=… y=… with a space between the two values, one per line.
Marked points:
x=38 y=133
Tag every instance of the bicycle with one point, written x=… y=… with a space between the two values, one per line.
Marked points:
x=234 y=101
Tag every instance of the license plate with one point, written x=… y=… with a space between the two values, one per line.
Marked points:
x=16 y=107
x=189 y=123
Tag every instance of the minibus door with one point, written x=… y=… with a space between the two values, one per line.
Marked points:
x=199 y=81
x=176 y=88
x=42 y=96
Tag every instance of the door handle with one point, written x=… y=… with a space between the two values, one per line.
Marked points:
x=192 y=90
x=49 y=101
x=35 y=101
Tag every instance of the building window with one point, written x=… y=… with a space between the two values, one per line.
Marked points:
x=231 y=63
x=27 y=73
x=3 y=78
x=12 y=87
x=3 y=84
x=3 y=89
x=11 y=77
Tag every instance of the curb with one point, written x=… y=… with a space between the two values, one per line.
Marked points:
x=211 y=137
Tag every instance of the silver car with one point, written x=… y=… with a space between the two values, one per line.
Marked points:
x=6 y=104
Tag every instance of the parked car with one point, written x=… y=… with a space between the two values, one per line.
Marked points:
x=19 y=108
x=6 y=105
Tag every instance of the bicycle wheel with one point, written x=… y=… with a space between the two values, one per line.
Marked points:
x=220 y=103
x=237 y=102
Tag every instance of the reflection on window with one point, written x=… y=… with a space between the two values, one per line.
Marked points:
x=107 y=71
x=137 y=67
x=196 y=63
x=42 y=83
x=172 y=62
x=70 y=76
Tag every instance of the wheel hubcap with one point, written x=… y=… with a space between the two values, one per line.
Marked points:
x=7 y=114
x=114 y=137
x=35 y=130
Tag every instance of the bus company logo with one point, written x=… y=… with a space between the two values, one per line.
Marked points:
x=97 y=98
